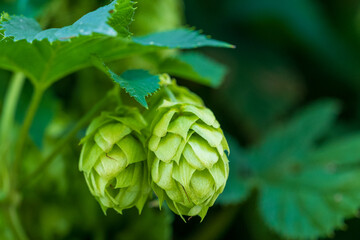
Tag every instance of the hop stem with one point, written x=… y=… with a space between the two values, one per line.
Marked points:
x=34 y=104
x=11 y=101
x=15 y=224
x=68 y=137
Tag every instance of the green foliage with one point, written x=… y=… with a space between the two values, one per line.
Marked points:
x=182 y=38
x=290 y=176
x=138 y=83
x=28 y=8
x=307 y=190
x=100 y=21
x=70 y=48
x=152 y=224
x=195 y=66
x=156 y=16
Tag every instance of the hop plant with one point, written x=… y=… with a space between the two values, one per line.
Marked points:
x=187 y=159
x=113 y=160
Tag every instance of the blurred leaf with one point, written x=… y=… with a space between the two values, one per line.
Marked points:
x=43 y=117
x=196 y=67
x=29 y=8
x=152 y=225
x=262 y=87
x=295 y=138
x=180 y=38
x=304 y=191
x=238 y=186
x=315 y=194
x=157 y=15
x=300 y=23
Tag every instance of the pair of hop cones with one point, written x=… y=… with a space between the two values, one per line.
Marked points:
x=176 y=148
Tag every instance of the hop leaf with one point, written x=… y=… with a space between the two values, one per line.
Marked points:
x=187 y=160
x=113 y=160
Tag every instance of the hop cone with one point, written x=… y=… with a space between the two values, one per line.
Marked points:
x=187 y=159
x=113 y=160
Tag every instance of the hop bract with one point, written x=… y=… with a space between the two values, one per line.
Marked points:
x=113 y=160
x=187 y=159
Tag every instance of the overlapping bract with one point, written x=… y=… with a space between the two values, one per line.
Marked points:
x=181 y=154
x=187 y=159
x=113 y=160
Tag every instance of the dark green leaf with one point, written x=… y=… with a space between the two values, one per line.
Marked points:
x=296 y=137
x=29 y=8
x=312 y=196
x=138 y=83
x=180 y=38
x=305 y=191
x=196 y=67
x=152 y=224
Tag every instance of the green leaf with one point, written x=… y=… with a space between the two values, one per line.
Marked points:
x=45 y=63
x=157 y=15
x=29 y=8
x=196 y=67
x=298 y=136
x=152 y=224
x=312 y=196
x=180 y=38
x=308 y=23
x=110 y=20
x=306 y=191
x=49 y=55
x=138 y=83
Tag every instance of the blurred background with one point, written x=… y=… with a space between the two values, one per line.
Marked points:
x=288 y=55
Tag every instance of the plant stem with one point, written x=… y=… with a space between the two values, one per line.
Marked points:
x=15 y=224
x=6 y=125
x=24 y=131
x=10 y=104
x=60 y=146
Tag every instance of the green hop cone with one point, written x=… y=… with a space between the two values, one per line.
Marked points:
x=187 y=159
x=113 y=160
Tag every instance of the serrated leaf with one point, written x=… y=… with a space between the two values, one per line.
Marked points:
x=314 y=195
x=196 y=67
x=298 y=135
x=180 y=38
x=100 y=21
x=45 y=63
x=138 y=83
x=306 y=192
x=71 y=47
